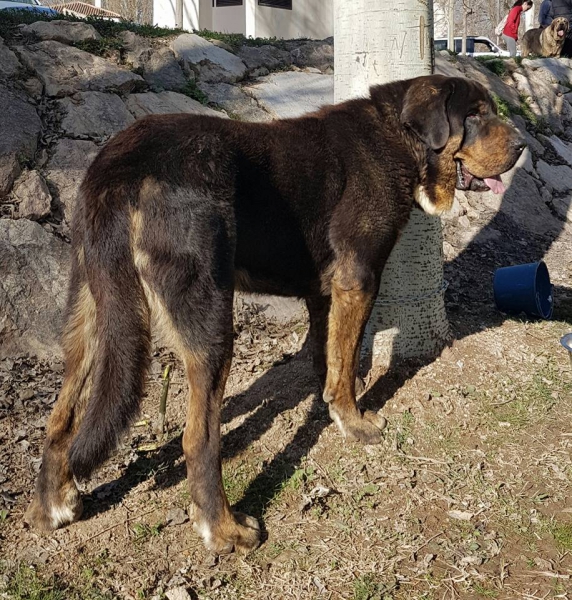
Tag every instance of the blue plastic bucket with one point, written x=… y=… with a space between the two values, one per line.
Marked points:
x=566 y=341
x=524 y=289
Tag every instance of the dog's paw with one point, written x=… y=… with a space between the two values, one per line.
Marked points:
x=48 y=514
x=239 y=534
x=360 y=426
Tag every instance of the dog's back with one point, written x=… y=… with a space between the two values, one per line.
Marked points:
x=531 y=42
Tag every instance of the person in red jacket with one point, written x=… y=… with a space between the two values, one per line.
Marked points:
x=510 y=31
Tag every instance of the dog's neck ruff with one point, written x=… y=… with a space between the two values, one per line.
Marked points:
x=425 y=203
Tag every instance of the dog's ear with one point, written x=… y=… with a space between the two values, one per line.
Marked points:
x=425 y=109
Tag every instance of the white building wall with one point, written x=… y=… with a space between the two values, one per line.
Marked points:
x=229 y=19
x=308 y=18
x=165 y=13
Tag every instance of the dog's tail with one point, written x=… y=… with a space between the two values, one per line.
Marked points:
x=120 y=335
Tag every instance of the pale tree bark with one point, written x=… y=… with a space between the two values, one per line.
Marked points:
x=377 y=43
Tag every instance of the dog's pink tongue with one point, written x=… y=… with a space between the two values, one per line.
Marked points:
x=560 y=33
x=495 y=184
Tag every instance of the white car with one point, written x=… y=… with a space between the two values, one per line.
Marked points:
x=26 y=5
x=476 y=46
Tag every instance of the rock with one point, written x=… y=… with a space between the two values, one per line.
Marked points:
x=277 y=308
x=33 y=289
x=552 y=70
x=558 y=177
x=314 y=54
x=446 y=65
x=525 y=162
x=162 y=103
x=66 y=170
x=563 y=208
x=292 y=94
x=66 y=32
x=545 y=102
x=563 y=149
x=178 y=593
x=32 y=86
x=9 y=63
x=65 y=70
x=20 y=127
x=222 y=45
x=209 y=62
x=234 y=101
x=523 y=203
x=269 y=57
x=94 y=114
x=162 y=71
x=176 y=516
x=34 y=196
x=137 y=49
x=476 y=71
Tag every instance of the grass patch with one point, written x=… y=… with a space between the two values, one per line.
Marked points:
x=530 y=402
x=367 y=587
x=10 y=19
x=27 y=584
x=236 y=40
x=496 y=65
x=562 y=535
x=193 y=91
x=143 y=532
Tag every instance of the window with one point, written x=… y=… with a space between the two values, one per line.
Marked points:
x=223 y=3
x=440 y=45
x=276 y=3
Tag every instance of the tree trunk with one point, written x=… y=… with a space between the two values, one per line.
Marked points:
x=451 y=20
x=377 y=45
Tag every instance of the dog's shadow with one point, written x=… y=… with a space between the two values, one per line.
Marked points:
x=264 y=401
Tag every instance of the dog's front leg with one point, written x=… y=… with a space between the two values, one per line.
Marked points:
x=349 y=312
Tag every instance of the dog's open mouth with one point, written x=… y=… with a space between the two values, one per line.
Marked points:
x=560 y=33
x=467 y=181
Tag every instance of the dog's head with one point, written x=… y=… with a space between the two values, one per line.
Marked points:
x=559 y=28
x=467 y=144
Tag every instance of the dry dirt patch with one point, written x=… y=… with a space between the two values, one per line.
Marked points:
x=467 y=497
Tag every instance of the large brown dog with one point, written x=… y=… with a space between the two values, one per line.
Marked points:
x=547 y=41
x=178 y=211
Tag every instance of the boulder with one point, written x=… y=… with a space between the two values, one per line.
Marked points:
x=291 y=94
x=33 y=195
x=162 y=71
x=94 y=115
x=558 y=177
x=269 y=57
x=66 y=169
x=551 y=70
x=317 y=54
x=545 y=101
x=208 y=62
x=65 y=70
x=66 y=32
x=163 y=103
x=20 y=128
x=523 y=203
x=137 y=49
x=234 y=101
x=563 y=149
x=9 y=63
x=33 y=289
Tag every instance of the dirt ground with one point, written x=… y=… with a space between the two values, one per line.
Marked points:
x=468 y=496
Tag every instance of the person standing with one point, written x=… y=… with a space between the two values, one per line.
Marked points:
x=545 y=14
x=510 y=31
x=563 y=8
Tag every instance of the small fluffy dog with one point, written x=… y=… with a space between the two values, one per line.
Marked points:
x=547 y=41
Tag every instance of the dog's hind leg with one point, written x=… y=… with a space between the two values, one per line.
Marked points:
x=185 y=250
x=56 y=500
